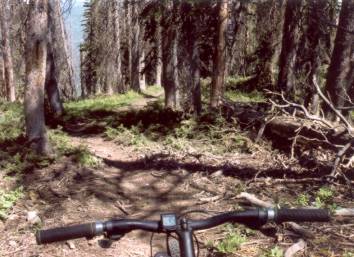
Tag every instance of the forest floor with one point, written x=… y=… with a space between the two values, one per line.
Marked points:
x=106 y=170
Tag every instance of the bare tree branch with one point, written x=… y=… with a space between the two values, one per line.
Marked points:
x=349 y=128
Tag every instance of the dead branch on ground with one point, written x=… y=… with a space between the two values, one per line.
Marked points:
x=311 y=130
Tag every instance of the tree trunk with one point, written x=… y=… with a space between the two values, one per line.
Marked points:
x=169 y=56
x=5 y=19
x=109 y=69
x=51 y=86
x=127 y=43
x=219 y=57
x=268 y=32
x=338 y=77
x=135 y=48
x=117 y=41
x=286 y=78
x=36 y=58
x=159 y=56
x=142 y=47
x=62 y=56
x=82 y=74
x=189 y=58
x=51 y=80
x=142 y=71
x=2 y=73
x=196 y=90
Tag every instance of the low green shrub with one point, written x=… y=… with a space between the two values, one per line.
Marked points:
x=8 y=199
x=232 y=241
x=11 y=121
x=85 y=158
x=274 y=252
x=60 y=141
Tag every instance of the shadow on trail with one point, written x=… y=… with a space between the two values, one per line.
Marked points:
x=158 y=162
x=133 y=182
x=96 y=121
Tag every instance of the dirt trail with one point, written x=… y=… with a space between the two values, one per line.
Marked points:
x=123 y=186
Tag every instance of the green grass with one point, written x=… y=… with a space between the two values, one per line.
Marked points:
x=126 y=136
x=303 y=200
x=273 y=252
x=348 y=254
x=13 y=164
x=239 y=96
x=8 y=199
x=324 y=198
x=236 y=82
x=60 y=141
x=231 y=242
x=12 y=142
x=11 y=121
x=85 y=158
x=207 y=134
x=153 y=90
x=101 y=103
x=234 y=90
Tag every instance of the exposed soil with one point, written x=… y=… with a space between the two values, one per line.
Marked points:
x=135 y=184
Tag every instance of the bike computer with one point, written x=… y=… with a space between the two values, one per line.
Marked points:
x=169 y=221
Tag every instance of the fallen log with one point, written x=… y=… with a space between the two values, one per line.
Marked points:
x=307 y=133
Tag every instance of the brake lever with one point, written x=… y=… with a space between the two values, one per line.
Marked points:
x=109 y=240
x=265 y=230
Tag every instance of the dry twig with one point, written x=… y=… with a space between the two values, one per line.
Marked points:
x=295 y=248
x=293 y=226
x=349 y=128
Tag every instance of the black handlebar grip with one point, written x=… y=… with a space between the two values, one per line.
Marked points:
x=302 y=215
x=66 y=233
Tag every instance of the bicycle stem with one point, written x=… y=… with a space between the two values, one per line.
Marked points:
x=185 y=234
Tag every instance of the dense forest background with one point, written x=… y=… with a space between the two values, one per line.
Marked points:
x=250 y=92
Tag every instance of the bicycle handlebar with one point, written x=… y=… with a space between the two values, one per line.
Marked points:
x=123 y=226
x=302 y=215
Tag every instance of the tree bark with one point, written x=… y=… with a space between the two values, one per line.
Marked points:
x=5 y=14
x=169 y=56
x=62 y=57
x=189 y=58
x=135 y=48
x=338 y=77
x=2 y=73
x=109 y=69
x=36 y=58
x=219 y=57
x=142 y=76
x=196 y=88
x=268 y=32
x=51 y=86
x=128 y=42
x=51 y=79
x=286 y=78
x=117 y=41
x=82 y=74
x=159 y=56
